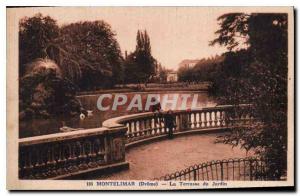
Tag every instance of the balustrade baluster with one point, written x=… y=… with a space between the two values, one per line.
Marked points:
x=148 y=125
x=218 y=118
x=51 y=163
x=30 y=166
x=83 y=156
x=91 y=155
x=72 y=158
x=159 y=132
x=151 y=126
x=159 y=124
x=205 y=119
x=21 y=164
x=138 y=127
x=55 y=157
x=163 y=125
x=106 y=150
x=145 y=127
x=201 y=122
x=135 y=130
x=198 y=114
x=210 y=118
x=195 y=120
x=192 y=120
x=223 y=119
x=100 y=153
x=141 y=128
x=215 y=119
x=154 y=126
x=39 y=169
x=189 y=121
x=63 y=159
x=129 y=130
x=67 y=156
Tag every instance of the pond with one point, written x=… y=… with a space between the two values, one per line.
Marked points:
x=37 y=127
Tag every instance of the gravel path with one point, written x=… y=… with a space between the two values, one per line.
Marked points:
x=159 y=158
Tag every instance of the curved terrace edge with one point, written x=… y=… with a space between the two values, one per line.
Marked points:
x=74 y=154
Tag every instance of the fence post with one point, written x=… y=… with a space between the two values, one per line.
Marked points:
x=222 y=175
x=195 y=175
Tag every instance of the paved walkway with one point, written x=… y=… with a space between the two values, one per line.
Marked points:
x=159 y=158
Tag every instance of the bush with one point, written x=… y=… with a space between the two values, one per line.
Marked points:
x=45 y=93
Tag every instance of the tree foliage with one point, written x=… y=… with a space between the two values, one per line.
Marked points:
x=206 y=69
x=87 y=52
x=94 y=48
x=35 y=33
x=162 y=73
x=140 y=65
x=257 y=75
x=233 y=32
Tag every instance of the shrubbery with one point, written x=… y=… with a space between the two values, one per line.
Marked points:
x=44 y=92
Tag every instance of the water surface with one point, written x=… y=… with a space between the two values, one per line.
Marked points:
x=37 y=127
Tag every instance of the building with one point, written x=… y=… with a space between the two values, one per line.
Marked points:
x=172 y=76
x=188 y=63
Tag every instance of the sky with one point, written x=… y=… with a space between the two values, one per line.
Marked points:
x=176 y=33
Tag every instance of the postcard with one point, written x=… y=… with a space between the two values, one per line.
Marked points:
x=150 y=98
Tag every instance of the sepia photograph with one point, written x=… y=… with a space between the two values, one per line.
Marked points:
x=150 y=98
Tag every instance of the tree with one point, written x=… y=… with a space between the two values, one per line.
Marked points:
x=35 y=33
x=206 y=69
x=162 y=73
x=140 y=65
x=87 y=52
x=94 y=48
x=185 y=74
x=257 y=74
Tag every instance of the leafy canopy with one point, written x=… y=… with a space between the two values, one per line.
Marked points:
x=256 y=74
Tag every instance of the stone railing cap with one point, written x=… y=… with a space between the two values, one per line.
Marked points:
x=117 y=121
x=62 y=136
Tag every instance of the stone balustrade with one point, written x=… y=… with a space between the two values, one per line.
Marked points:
x=148 y=125
x=82 y=153
x=71 y=154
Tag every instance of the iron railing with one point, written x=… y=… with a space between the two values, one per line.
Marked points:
x=244 y=169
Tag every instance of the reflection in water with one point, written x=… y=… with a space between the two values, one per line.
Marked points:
x=48 y=126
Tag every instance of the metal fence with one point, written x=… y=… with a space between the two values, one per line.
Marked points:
x=245 y=169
